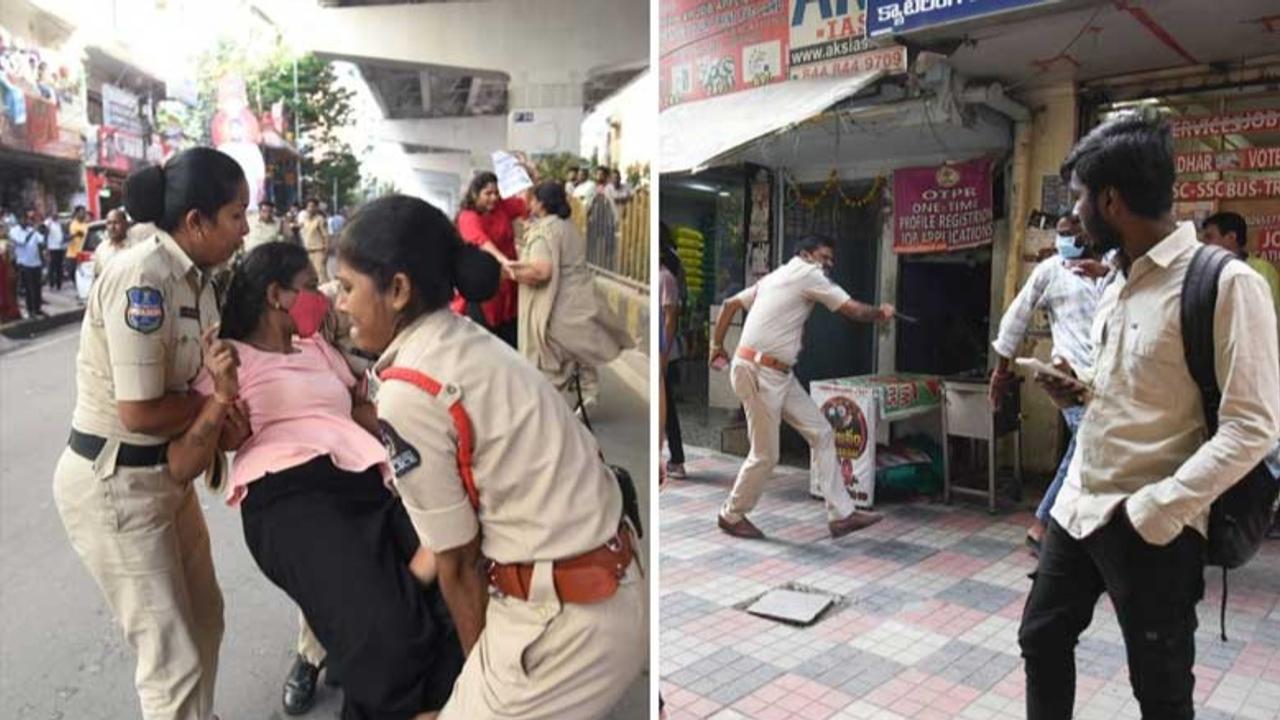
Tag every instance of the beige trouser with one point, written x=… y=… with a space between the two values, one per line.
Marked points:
x=143 y=538
x=318 y=261
x=309 y=646
x=544 y=660
x=769 y=397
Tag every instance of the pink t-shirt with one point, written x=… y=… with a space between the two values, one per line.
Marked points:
x=299 y=409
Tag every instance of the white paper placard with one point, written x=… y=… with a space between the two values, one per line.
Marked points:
x=512 y=178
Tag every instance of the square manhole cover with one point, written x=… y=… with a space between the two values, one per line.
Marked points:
x=798 y=607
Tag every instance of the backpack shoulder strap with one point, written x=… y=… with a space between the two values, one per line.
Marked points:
x=1199 y=299
x=461 y=424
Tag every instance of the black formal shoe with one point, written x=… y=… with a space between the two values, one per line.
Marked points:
x=300 y=687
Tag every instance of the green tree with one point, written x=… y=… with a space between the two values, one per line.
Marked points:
x=322 y=108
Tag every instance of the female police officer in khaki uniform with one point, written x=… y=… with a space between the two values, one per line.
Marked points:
x=490 y=460
x=140 y=533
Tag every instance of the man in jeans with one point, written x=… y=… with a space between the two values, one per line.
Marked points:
x=1064 y=287
x=28 y=244
x=1132 y=515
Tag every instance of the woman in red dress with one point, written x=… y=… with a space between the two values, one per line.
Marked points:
x=486 y=222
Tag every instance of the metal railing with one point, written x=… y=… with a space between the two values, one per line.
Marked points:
x=618 y=242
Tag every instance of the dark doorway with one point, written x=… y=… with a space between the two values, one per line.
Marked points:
x=950 y=295
x=834 y=346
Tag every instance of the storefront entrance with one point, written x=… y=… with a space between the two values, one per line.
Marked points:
x=950 y=295
x=834 y=346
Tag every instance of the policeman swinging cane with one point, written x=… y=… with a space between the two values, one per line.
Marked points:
x=761 y=377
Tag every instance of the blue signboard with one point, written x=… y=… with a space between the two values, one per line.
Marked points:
x=901 y=16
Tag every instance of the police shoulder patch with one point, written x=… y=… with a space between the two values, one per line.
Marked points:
x=144 y=311
x=404 y=457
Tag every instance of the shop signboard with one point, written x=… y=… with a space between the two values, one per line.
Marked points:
x=120 y=110
x=892 y=60
x=902 y=16
x=941 y=209
x=1253 y=158
x=1269 y=244
x=1246 y=188
x=118 y=149
x=712 y=47
x=1238 y=123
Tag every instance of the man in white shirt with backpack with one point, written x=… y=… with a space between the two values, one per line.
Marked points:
x=1133 y=514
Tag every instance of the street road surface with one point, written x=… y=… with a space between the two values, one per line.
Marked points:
x=61 y=655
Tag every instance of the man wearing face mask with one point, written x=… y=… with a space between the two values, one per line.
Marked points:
x=1070 y=298
x=761 y=377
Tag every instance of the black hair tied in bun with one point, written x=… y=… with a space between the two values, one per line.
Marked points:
x=144 y=194
x=199 y=178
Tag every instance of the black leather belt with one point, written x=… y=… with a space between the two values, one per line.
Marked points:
x=90 y=446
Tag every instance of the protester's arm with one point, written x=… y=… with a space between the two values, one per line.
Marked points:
x=529 y=272
x=1247 y=364
x=670 y=320
x=472 y=231
x=465 y=590
x=1013 y=328
x=1016 y=319
x=192 y=452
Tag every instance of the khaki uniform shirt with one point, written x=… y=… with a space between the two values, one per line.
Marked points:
x=104 y=253
x=544 y=492
x=780 y=303
x=261 y=233
x=315 y=235
x=1143 y=436
x=141 y=334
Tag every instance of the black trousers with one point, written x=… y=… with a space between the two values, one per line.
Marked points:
x=674 y=441
x=55 y=268
x=1154 y=591
x=339 y=544
x=32 y=280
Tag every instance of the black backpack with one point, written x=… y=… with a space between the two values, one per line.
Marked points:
x=1240 y=517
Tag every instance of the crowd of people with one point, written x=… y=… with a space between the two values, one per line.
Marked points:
x=381 y=453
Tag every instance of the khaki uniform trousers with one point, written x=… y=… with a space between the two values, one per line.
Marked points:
x=309 y=646
x=144 y=540
x=319 y=261
x=769 y=397
x=544 y=660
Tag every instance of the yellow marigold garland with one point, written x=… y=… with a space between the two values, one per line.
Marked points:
x=833 y=185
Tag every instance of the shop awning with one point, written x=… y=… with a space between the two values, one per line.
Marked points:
x=695 y=134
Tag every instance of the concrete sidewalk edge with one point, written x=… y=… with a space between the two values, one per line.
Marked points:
x=30 y=328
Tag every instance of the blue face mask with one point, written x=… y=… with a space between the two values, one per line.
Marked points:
x=1068 y=249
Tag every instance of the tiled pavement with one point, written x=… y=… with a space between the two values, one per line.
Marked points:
x=926 y=626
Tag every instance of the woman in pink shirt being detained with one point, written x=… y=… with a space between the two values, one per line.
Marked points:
x=311 y=481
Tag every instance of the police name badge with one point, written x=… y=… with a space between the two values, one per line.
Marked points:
x=145 y=309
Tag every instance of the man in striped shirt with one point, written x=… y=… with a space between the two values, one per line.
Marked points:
x=1067 y=286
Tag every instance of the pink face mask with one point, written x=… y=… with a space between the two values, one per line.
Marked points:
x=308 y=312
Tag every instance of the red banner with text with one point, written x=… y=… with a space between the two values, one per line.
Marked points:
x=941 y=209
